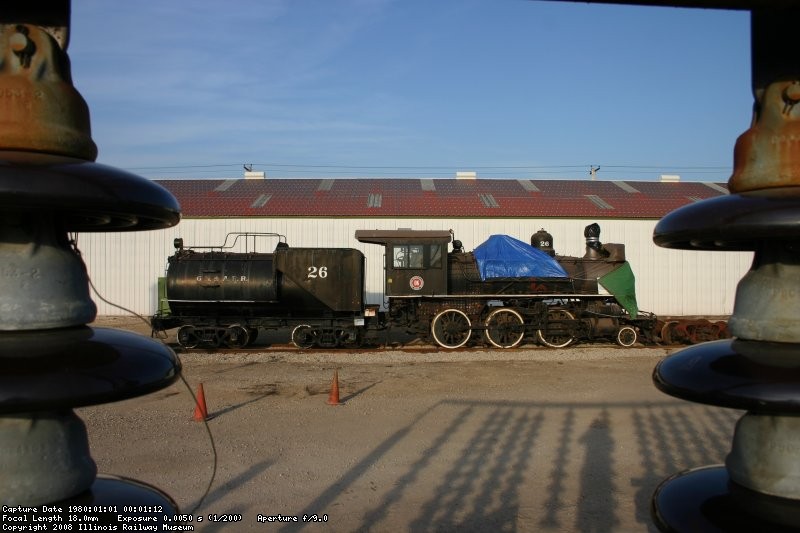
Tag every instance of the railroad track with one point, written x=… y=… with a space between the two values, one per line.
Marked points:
x=404 y=348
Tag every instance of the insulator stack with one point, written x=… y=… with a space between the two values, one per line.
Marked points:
x=758 y=487
x=51 y=360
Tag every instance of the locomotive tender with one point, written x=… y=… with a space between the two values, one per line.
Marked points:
x=222 y=298
x=503 y=292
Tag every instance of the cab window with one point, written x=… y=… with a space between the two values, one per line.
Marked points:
x=417 y=255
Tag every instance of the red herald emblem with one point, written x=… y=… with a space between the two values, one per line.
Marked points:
x=416 y=283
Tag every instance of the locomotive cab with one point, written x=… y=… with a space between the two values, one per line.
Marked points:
x=415 y=261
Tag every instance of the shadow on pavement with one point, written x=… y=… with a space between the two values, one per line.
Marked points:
x=512 y=466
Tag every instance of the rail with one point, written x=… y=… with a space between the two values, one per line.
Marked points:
x=247 y=237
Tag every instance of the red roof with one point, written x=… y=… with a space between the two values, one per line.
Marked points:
x=359 y=197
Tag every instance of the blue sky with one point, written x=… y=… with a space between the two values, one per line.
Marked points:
x=412 y=88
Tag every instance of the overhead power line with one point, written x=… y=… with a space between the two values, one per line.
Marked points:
x=296 y=167
x=340 y=170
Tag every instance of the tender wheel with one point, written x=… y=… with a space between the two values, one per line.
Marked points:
x=451 y=328
x=187 y=337
x=303 y=336
x=557 y=335
x=252 y=335
x=626 y=336
x=236 y=336
x=666 y=332
x=505 y=328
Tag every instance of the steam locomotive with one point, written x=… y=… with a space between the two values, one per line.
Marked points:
x=502 y=293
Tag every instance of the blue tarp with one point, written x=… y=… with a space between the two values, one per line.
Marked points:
x=502 y=256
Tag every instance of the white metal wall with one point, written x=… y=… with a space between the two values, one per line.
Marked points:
x=124 y=267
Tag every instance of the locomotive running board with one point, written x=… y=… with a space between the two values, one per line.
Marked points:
x=542 y=296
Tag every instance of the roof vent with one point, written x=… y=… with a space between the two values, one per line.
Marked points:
x=670 y=178
x=254 y=175
x=466 y=175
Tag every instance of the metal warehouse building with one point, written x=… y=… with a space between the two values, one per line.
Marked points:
x=125 y=267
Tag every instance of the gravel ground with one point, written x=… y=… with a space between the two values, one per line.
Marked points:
x=529 y=439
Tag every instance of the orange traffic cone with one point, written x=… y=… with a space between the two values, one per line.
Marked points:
x=200 y=411
x=333 y=397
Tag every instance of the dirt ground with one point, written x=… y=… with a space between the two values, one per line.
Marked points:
x=529 y=439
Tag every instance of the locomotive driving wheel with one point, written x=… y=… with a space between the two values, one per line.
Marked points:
x=187 y=337
x=451 y=328
x=557 y=334
x=626 y=336
x=303 y=336
x=505 y=328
